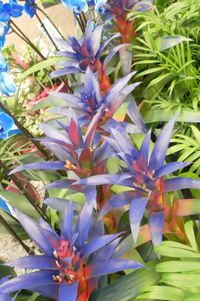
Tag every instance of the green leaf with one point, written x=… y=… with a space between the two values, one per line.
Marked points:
x=143 y=62
x=170 y=41
x=113 y=165
x=78 y=197
x=118 y=189
x=6 y=271
x=195 y=166
x=13 y=223
x=189 y=230
x=159 y=79
x=120 y=114
x=176 y=250
x=127 y=287
x=20 y=202
x=183 y=116
x=187 y=139
x=68 y=194
x=42 y=298
x=177 y=266
x=40 y=66
x=126 y=249
x=149 y=71
x=176 y=148
x=33 y=297
x=195 y=132
x=192 y=297
x=162 y=293
x=187 y=152
x=42 y=104
x=181 y=280
x=50 y=101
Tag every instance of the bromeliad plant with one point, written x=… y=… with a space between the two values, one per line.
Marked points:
x=72 y=263
x=146 y=178
x=91 y=104
x=123 y=198
x=79 y=55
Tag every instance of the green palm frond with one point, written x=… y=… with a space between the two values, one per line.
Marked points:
x=179 y=265
x=188 y=148
x=175 y=67
x=166 y=55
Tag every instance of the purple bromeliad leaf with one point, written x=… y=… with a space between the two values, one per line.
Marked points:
x=5 y=296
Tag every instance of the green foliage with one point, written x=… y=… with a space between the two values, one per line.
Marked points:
x=19 y=201
x=166 y=55
x=5 y=271
x=14 y=224
x=127 y=287
x=13 y=146
x=187 y=146
x=49 y=2
x=40 y=66
x=179 y=269
x=32 y=79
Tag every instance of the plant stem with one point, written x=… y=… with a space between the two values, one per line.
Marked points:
x=18 y=34
x=26 y=39
x=43 y=12
x=84 y=19
x=15 y=235
x=46 y=31
x=80 y=24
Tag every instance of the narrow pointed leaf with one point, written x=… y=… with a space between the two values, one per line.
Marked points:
x=104 y=179
x=28 y=281
x=98 y=243
x=169 y=168
x=179 y=183
x=67 y=223
x=68 y=291
x=161 y=145
x=83 y=224
x=117 y=201
x=137 y=208
x=56 y=165
x=34 y=262
x=105 y=267
x=34 y=232
x=156 y=221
